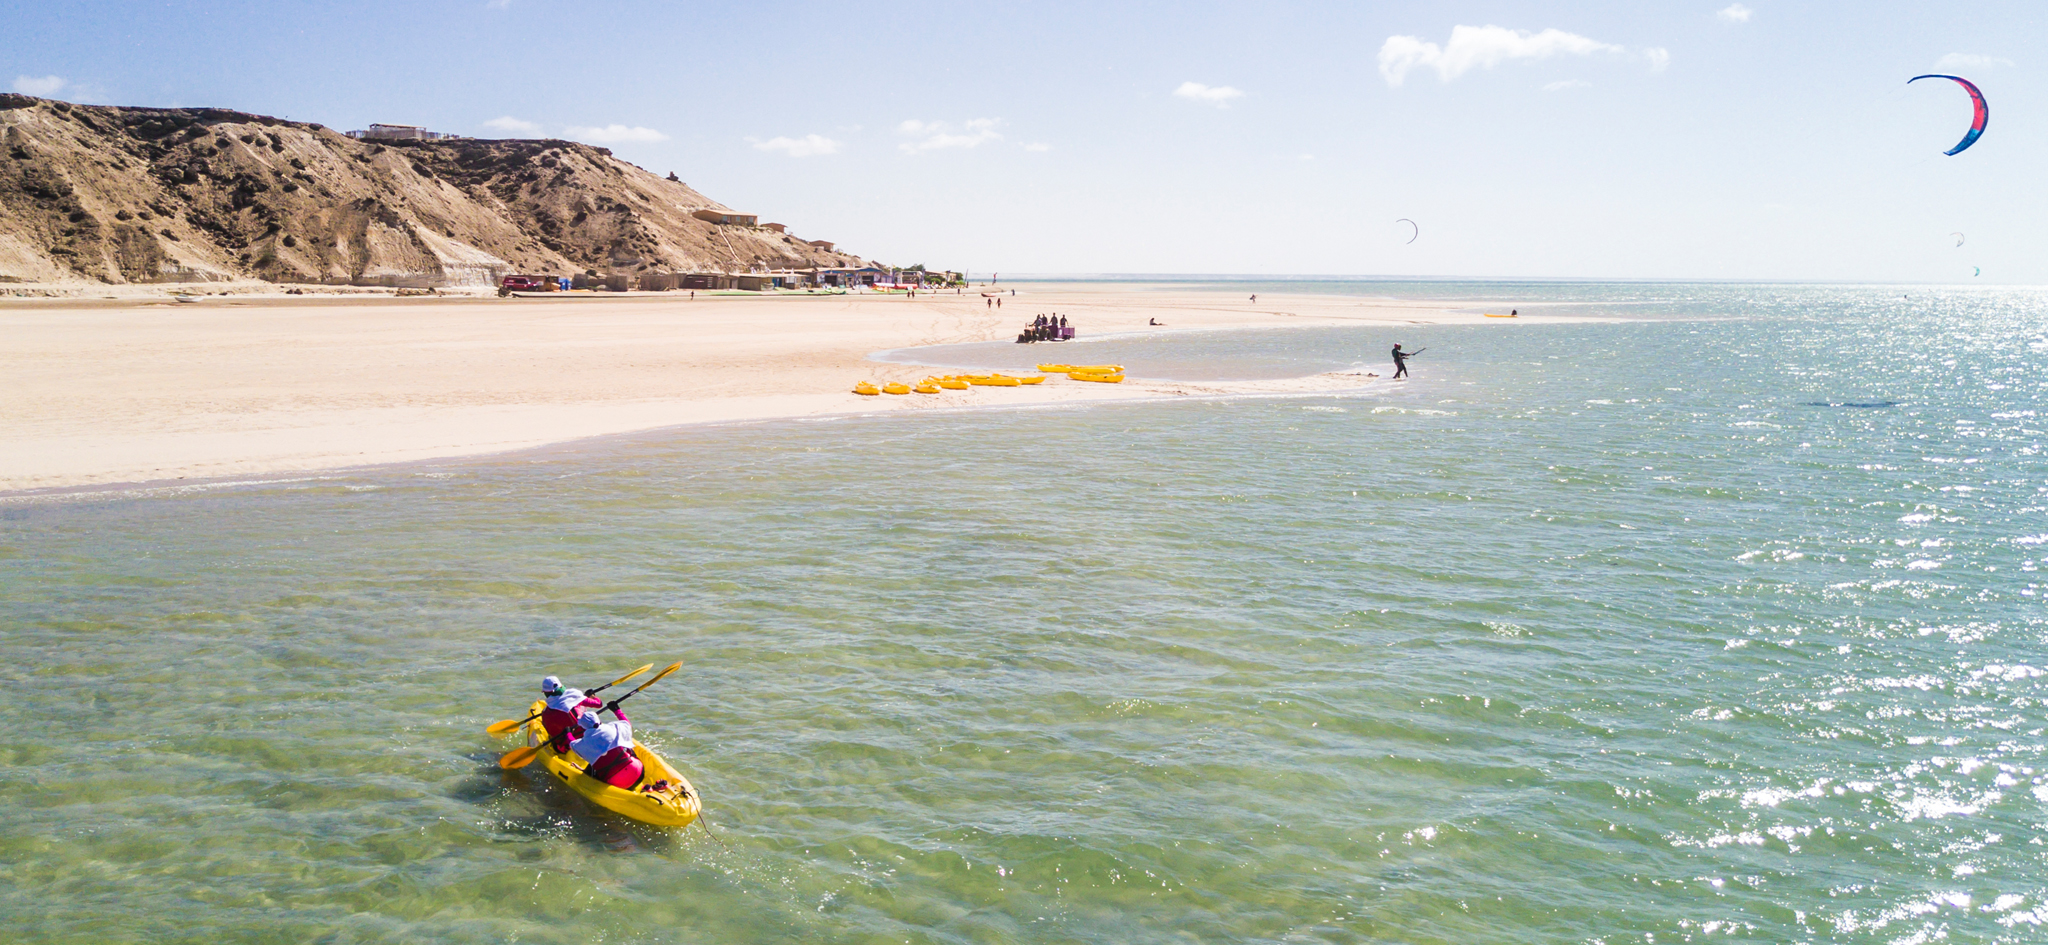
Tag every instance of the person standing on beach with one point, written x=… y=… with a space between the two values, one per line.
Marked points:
x=1255 y=300
x=1401 y=361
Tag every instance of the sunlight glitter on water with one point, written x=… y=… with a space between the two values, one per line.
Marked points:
x=1592 y=633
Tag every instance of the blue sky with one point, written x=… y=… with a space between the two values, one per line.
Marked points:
x=1752 y=140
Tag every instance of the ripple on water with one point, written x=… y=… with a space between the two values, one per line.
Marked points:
x=1549 y=645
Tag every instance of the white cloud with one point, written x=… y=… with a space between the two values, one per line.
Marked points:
x=1479 y=47
x=806 y=146
x=1219 y=96
x=1736 y=13
x=615 y=133
x=1659 y=57
x=509 y=123
x=30 y=85
x=1566 y=84
x=935 y=135
x=1038 y=146
x=1950 y=61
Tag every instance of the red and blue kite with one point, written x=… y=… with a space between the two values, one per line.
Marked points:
x=1976 y=99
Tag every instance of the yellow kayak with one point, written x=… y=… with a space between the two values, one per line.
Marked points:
x=1097 y=378
x=926 y=388
x=1082 y=368
x=1035 y=379
x=989 y=380
x=866 y=389
x=674 y=807
x=953 y=383
x=1056 y=368
x=895 y=388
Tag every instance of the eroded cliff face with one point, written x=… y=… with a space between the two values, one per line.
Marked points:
x=118 y=195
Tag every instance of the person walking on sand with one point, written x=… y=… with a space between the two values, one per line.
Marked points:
x=1255 y=300
x=1401 y=361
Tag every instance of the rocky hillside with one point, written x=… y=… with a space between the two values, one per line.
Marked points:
x=117 y=195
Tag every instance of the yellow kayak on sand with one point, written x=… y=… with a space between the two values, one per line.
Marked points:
x=990 y=380
x=866 y=389
x=953 y=383
x=1034 y=379
x=894 y=388
x=1082 y=368
x=1097 y=378
x=926 y=388
x=674 y=807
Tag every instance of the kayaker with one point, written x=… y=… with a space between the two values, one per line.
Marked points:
x=563 y=707
x=607 y=748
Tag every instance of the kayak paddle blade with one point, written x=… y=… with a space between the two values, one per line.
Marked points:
x=518 y=758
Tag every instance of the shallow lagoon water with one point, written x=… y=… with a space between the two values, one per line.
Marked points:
x=1715 y=627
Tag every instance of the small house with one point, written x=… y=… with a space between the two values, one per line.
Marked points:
x=731 y=217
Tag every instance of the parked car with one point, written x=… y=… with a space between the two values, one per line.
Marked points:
x=511 y=284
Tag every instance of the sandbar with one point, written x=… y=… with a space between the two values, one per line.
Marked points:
x=143 y=389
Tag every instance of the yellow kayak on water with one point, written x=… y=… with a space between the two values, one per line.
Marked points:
x=674 y=807
x=866 y=389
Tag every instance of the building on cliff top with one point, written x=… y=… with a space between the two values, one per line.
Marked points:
x=381 y=132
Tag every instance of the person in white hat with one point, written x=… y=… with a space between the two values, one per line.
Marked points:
x=607 y=748
x=564 y=706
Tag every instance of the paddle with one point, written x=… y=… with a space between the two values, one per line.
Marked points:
x=521 y=757
x=508 y=726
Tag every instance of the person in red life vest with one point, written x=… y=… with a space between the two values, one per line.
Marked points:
x=607 y=747
x=563 y=708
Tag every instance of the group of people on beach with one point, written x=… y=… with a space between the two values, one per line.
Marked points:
x=1046 y=328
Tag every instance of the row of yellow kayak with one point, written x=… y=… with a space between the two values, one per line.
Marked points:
x=1098 y=373
x=933 y=385
x=1094 y=373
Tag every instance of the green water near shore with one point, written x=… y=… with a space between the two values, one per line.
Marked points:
x=1720 y=627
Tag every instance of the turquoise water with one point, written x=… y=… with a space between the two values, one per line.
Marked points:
x=1725 y=626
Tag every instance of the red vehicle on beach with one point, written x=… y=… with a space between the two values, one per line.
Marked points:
x=511 y=284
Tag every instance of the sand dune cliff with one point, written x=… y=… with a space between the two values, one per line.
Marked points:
x=136 y=195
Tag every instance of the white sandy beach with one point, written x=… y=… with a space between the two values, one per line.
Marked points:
x=143 y=389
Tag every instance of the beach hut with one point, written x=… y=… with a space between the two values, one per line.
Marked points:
x=727 y=217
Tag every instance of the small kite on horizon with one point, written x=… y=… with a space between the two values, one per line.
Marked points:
x=1418 y=229
x=1981 y=115
x=1959 y=239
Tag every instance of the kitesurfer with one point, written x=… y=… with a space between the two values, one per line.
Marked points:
x=564 y=706
x=607 y=748
x=1401 y=361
